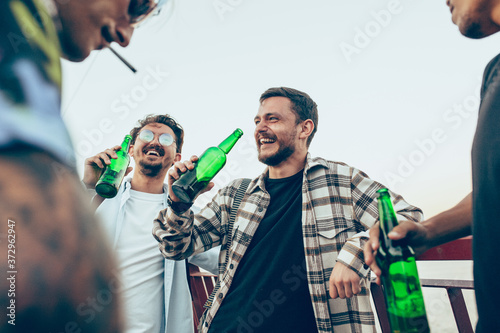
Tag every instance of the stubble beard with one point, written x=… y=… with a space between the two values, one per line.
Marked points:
x=285 y=150
x=475 y=24
x=473 y=30
x=281 y=155
x=150 y=170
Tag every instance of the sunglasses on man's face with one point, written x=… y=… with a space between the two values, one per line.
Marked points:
x=148 y=136
x=139 y=10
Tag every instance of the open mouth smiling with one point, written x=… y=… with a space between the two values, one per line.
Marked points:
x=264 y=141
x=153 y=152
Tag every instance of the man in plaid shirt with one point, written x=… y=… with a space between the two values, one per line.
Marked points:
x=295 y=260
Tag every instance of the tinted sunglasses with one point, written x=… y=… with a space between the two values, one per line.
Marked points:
x=148 y=136
x=139 y=10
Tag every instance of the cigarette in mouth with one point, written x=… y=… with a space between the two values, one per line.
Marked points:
x=132 y=68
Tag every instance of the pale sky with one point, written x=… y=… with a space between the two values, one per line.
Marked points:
x=396 y=84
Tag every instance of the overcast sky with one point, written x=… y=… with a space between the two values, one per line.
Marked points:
x=396 y=84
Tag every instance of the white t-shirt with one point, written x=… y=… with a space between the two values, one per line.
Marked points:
x=141 y=264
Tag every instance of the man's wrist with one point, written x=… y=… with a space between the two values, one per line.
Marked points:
x=178 y=207
x=86 y=185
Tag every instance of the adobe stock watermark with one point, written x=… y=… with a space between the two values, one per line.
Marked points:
x=89 y=309
x=438 y=305
x=291 y=280
x=363 y=36
x=121 y=108
x=453 y=118
x=223 y=7
x=11 y=271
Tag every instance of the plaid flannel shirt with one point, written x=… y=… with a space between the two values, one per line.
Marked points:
x=338 y=207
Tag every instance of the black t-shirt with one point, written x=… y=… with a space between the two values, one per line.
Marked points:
x=486 y=201
x=269 y=292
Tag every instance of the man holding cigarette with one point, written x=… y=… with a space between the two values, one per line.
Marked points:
x=62 y=268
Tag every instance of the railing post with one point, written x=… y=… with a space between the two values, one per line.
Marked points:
x=379 y=302
x=459 y=310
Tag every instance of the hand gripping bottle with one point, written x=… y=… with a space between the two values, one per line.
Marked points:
x=403 y=293
x=187 y=187
x=108 y=184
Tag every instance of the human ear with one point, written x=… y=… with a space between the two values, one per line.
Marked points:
x=307 y=127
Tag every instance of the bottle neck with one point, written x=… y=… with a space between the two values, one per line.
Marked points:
x=388 y=219
x=230 y=141
x=126 y=143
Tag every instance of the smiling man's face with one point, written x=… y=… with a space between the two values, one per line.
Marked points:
x=275 y=131
x=151 y=157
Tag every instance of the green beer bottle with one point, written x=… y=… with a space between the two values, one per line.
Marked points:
x=209 y=163
x=403 y=293
x=113 y=175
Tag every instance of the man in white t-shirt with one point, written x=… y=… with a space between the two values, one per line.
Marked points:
x=155 y=291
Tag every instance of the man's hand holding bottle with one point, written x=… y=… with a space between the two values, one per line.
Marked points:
x=177 y=170
x=95 y=166
x=408 y=232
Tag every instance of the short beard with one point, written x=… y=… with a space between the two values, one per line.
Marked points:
x=151 y=170
x=474 y=31
x=281 y=155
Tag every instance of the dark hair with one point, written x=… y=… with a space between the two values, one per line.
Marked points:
x=302 y=105
x=161 y=119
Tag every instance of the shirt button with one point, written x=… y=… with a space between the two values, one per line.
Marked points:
x=206 y=324
x=261 y=209
x=231 y=266
x=221 y=295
